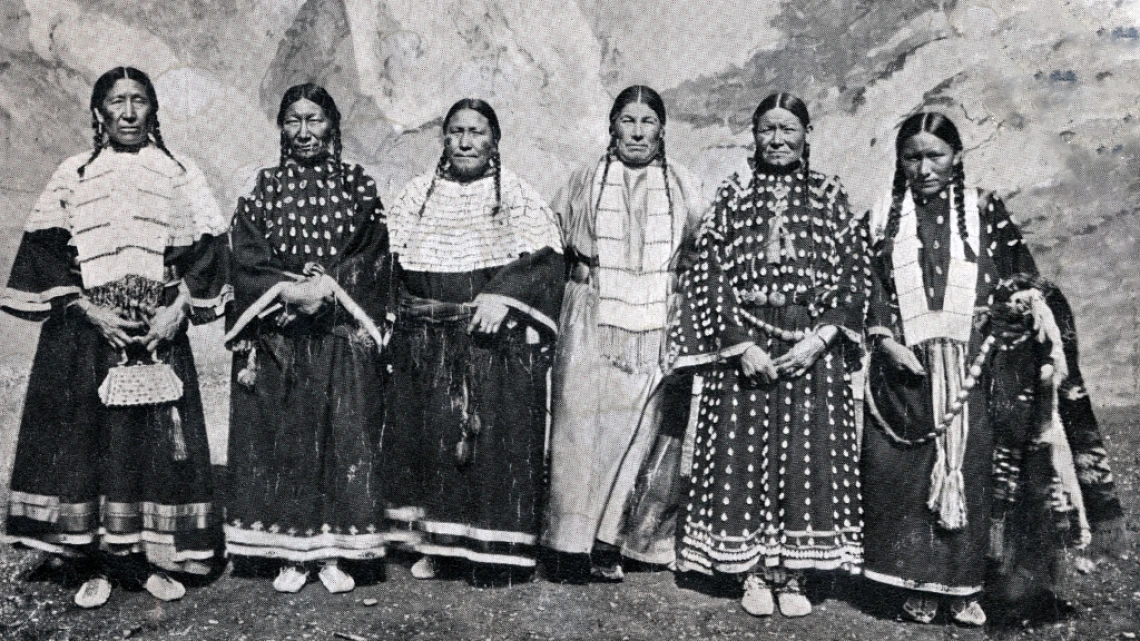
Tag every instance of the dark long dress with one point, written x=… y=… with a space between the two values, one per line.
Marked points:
x=774 y=480
x=906 y=545
x=305 y=431
x=488 y=392
x=125 y=478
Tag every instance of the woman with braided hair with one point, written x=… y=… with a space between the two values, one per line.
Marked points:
x=625 y=220
x=479 y=272
x=123 y=249
x=311 y=273
x=952 y=399
x=772 y=319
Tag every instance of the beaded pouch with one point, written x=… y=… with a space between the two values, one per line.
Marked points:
x=141 y=384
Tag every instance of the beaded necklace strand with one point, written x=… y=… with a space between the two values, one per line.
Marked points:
x=974 y=372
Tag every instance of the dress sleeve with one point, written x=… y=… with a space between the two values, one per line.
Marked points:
x=406 y=205
x=1010 y=254
x=365 y=272
x=1081 y=427
x=842 y=291
x=572 y=208
x=531 y=285
x=43 y=272
x=197 y=201
x=204 y=268
x=709 y=325
x=882 y=306
x=198 y=249
x=695 y=209
x=254 y=267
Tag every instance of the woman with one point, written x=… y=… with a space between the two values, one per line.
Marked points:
x=624 y=220
x=310 y=274
x=479 y=270
x=774 y=309
x=124 y=246
x=954 y=397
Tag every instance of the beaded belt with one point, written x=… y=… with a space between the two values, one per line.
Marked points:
x=778 y=332
x=758 y=298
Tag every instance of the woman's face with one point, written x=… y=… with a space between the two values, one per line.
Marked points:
x=126 y=113
x=469 y=144
x=780 y=137
x=928 y=162
x=307 y=128
x=637 y=131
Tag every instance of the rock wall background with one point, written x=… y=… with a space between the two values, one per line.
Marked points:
x=1045 y=92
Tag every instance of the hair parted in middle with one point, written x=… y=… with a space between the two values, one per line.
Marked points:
x=650 y=98
x=940 y=126
x=787 y=102
x=483 y=108
x=99 y=92
x=319 y=96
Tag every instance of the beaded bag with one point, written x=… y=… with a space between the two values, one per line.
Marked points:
x=140 y=384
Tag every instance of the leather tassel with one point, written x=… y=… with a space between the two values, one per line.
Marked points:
x=176 y=437
x=248 y=374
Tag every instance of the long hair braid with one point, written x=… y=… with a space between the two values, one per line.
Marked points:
x=611 y=151
x=497 y=164
x=156 y=136
x=334 y=150
x=99 y=142
x=440 y=169
x=285 y=147
x=665 y=174
x=958 y=187
x=898 y=193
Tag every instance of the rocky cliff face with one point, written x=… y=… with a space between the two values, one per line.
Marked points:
x=1044 y=91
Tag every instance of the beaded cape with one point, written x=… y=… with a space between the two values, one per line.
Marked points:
x=458 y=233
x=117 y=223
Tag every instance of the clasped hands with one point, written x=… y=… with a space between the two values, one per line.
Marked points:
x=121 y=332
x=755 y=362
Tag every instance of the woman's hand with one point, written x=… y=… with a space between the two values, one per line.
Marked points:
x=489 y=315
x=165 y=323
x=901 y=357
x=307 y=296
x=803 y=354
x=755 y=362
x=113 y=327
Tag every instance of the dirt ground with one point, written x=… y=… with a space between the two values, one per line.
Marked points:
x=648 y=606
